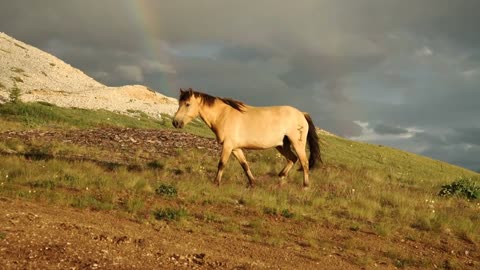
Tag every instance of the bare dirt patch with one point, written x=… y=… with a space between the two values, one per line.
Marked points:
x=127 y=143
x=37 y=236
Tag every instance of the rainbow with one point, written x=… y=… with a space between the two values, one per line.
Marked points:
x=142 y=15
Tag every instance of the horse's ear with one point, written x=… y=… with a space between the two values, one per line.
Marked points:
x=190 y=91
x=181 y=91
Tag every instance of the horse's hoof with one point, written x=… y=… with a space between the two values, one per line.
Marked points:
x=282 y=182
x=305 y=188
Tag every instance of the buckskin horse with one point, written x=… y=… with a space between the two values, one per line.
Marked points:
x=239 y=126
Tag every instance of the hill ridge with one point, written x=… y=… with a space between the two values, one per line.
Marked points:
x=44 y=77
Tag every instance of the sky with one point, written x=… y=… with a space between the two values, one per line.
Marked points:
x=402 y=73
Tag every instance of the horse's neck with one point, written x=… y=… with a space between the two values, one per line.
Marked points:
x=211 y=115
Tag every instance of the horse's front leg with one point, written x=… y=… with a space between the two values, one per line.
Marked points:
x=238 y=153
x=226 y=151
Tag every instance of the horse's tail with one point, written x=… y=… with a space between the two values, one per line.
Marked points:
x=312 y=139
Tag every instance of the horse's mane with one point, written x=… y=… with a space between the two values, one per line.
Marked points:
x=210 y=100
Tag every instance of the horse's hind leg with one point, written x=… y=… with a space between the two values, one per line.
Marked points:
x=287 y=152
x=238 y=153
x=299 y=147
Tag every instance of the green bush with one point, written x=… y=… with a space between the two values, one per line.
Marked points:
x=156 y=165
x=286 y=213
x=170 y=213
x=14 y=95
x=166 y=190
x=47 y=184
x=275 y=212
x=270 y=211
x=463 y=187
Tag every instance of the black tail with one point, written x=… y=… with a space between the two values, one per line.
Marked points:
x=312 y=139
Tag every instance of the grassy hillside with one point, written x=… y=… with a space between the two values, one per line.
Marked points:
x=44 y=115
x=361 y=190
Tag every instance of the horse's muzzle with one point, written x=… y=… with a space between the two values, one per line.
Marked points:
x=177 y=124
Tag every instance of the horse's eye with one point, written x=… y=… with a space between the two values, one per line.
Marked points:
x=187 y=104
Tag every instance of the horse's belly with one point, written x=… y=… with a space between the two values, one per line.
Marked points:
x=260 y=143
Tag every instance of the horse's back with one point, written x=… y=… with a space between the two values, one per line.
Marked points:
x=264 y=127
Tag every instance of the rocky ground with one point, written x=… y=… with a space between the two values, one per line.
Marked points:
x=38 y=236
x=120 y=144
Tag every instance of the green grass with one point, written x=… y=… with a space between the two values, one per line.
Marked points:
x=38 y=115
x=391 y=163
x=46 y=115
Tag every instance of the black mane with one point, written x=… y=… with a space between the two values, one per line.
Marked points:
x=210 y=100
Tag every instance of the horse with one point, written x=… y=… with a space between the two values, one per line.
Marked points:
x=239 y=126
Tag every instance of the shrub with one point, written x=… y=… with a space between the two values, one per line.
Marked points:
x=274 y=212
x=270 y=211
x=47 y=184
x=17 y=79
x=463 y=187
x=17 y=70
x=156 y=165
x=170 y=213
x=286 y=213
x=166 y=190
x=14 y=96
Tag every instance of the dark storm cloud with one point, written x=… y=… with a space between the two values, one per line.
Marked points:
x=307 y=69
x=456 y=154
x=230 y=79
x=468 y=135
x=430 y=140
x=245 y=53
x=384 y=129
x=90 y=23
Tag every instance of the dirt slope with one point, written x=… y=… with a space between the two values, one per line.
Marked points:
x=47 y=237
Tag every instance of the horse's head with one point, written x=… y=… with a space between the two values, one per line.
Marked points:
x=188 y=108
